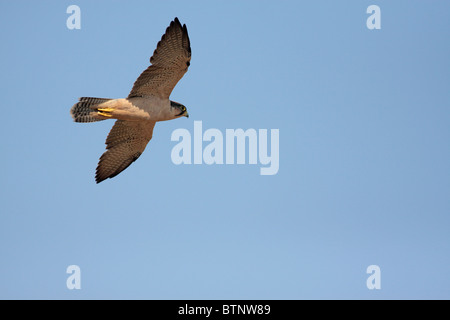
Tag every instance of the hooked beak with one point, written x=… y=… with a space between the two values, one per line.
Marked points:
x=185 y=113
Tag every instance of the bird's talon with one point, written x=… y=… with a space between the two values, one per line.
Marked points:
x=105 y=109
x=104 y=114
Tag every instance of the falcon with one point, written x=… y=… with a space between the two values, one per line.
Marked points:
x=147 y=103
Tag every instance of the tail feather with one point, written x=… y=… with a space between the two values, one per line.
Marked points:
x=85 y=110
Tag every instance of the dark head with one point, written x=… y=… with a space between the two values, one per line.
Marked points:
x=178 y=109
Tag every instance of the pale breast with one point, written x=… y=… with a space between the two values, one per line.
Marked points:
x=158 y=109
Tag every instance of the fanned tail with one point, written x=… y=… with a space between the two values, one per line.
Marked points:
x=86 y=109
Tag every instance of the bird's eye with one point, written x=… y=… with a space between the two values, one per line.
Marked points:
x=183 y=108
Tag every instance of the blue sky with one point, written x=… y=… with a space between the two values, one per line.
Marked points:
x=363 y=118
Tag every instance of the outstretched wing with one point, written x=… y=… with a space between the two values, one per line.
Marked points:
x=125 y=143
x=170 y=61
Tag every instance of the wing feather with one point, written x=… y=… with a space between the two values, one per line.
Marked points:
x=125 y=143
x=170 y=61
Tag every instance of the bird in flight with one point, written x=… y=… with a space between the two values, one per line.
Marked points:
x=147 y=103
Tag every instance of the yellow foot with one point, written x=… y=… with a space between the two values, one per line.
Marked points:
x=105 y=112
